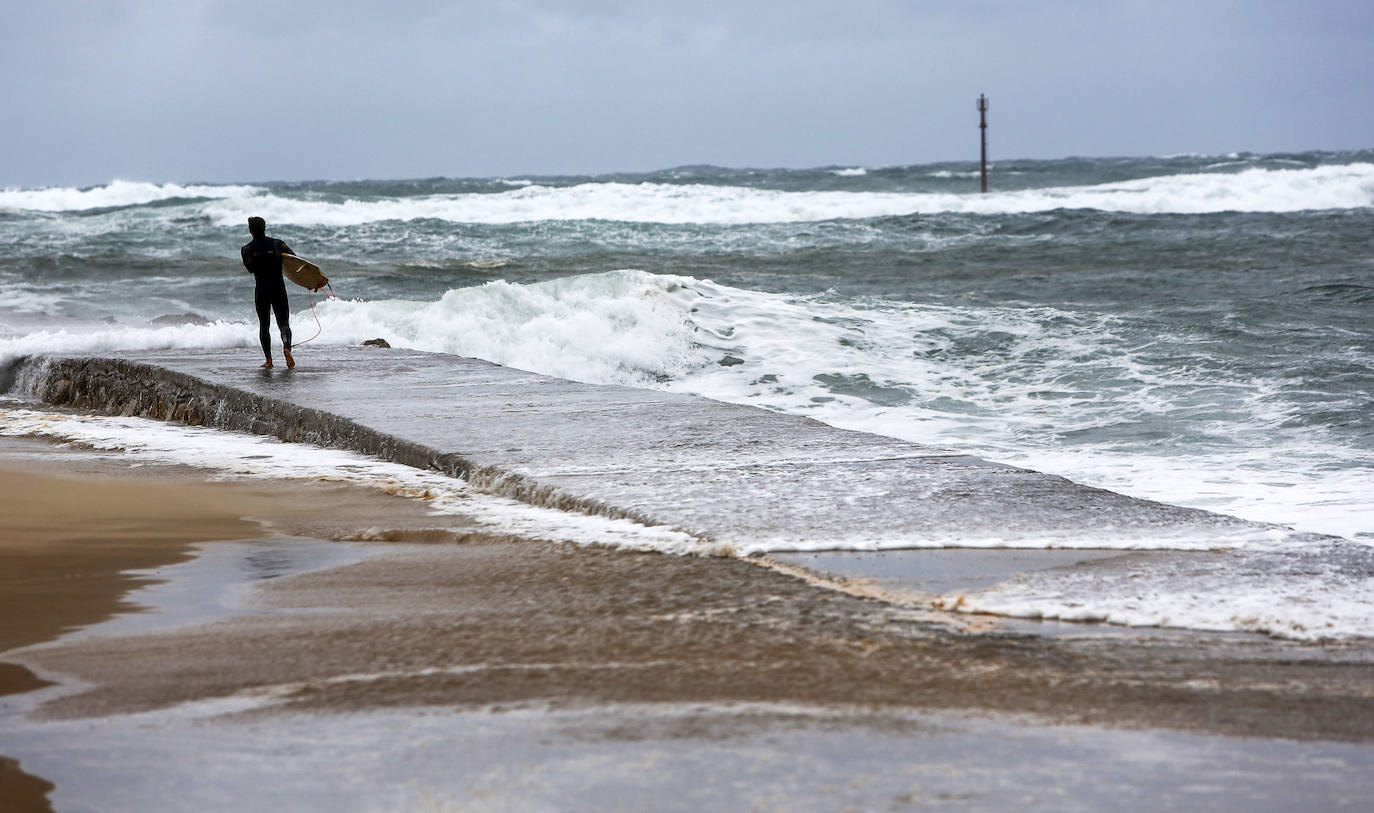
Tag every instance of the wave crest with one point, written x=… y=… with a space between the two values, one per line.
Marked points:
x=113 y=194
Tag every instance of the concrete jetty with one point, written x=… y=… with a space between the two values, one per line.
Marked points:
x=738 y=475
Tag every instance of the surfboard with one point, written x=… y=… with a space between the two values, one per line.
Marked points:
x=303 y=272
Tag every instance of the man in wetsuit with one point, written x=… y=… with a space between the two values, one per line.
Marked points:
x=262 y=258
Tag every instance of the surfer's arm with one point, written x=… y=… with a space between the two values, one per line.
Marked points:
x=284 y=248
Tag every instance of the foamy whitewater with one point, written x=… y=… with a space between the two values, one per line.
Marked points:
x=1193 y=329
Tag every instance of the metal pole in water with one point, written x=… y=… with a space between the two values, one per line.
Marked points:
x=983 y=133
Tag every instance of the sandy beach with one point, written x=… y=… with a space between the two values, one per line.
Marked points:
x=438 y=617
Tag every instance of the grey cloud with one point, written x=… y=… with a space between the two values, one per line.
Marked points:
x=212 y=90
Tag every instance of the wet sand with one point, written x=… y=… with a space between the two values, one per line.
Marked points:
x=68 y=542
x=74 y=523
x=498 y=622
x=445 y=617
x=65 y=546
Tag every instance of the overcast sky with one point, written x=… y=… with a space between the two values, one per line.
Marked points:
x=204 y=90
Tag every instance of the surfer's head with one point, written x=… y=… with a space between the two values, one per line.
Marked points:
x=257 y=226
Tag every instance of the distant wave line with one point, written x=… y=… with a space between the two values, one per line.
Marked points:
x=1330 y=187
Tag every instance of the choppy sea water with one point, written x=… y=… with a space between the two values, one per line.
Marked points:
x=1193 y=329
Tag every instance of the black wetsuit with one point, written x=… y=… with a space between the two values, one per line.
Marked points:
x=262 y=257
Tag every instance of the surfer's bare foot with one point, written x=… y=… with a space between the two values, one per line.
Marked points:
x=267 y=365
x=290 y=362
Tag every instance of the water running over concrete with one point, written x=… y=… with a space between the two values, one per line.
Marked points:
x=732 y=475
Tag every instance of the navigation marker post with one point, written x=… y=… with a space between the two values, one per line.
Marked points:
x=983 y=133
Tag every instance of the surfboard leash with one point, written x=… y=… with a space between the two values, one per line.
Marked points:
x=318 y=327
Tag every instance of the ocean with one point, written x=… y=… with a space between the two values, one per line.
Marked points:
x=1189 y=329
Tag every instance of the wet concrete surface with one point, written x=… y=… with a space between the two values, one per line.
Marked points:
x=736 y=475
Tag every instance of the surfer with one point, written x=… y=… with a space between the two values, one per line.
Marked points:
x=262 y=258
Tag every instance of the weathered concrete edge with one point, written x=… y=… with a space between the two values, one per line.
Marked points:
x=115 y=386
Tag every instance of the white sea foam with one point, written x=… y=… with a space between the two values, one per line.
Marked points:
x=625 y=327
x=1253 y=190
x=116 y=193
x=240 y=455
x=851 y=172
x=1306 y=595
